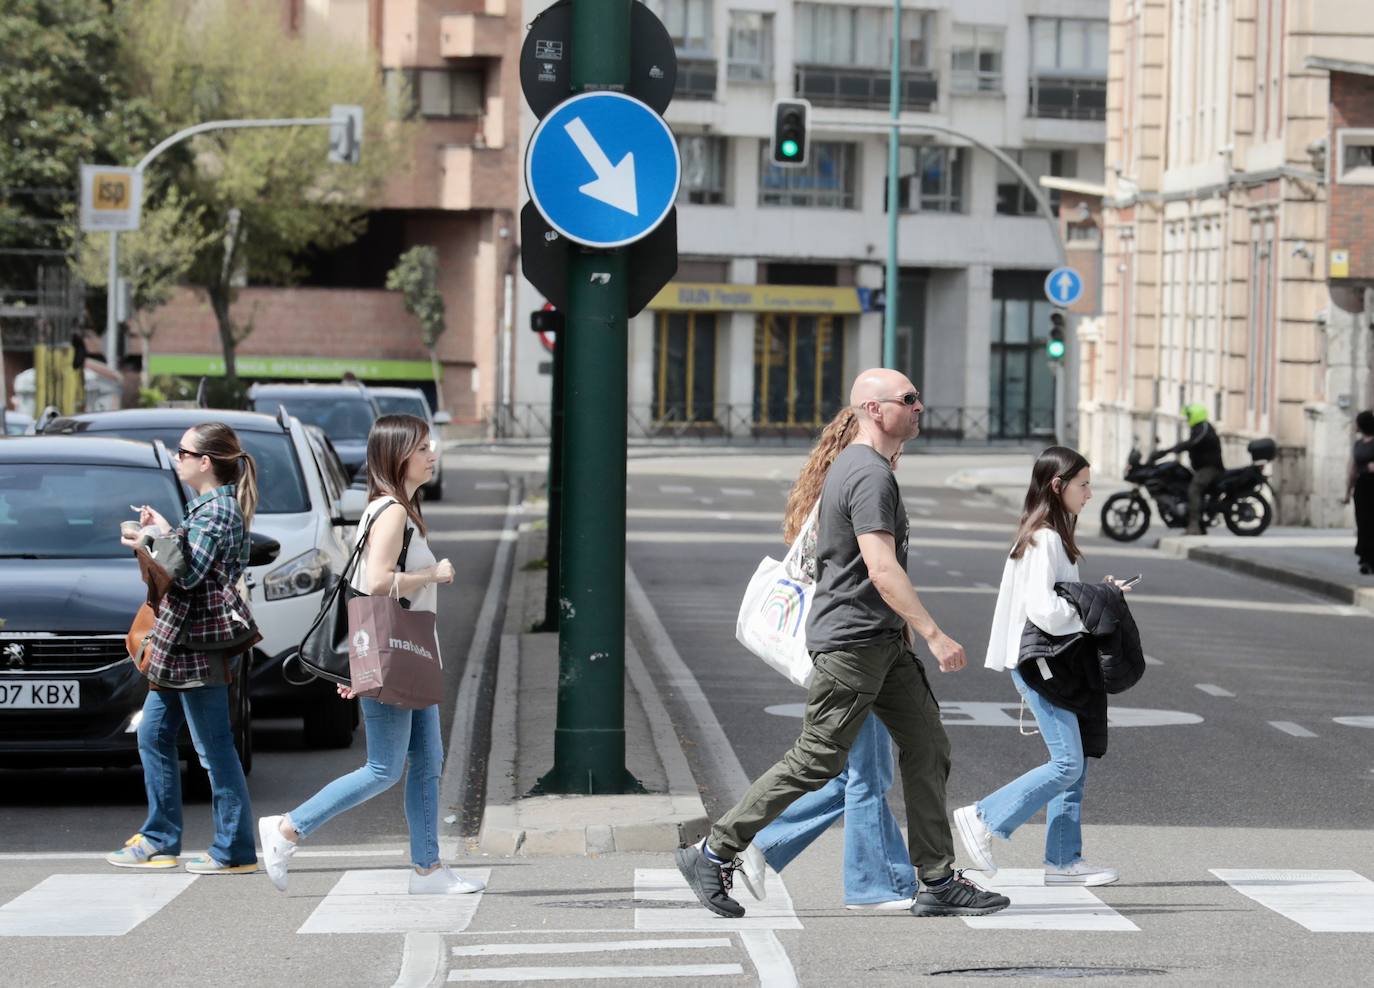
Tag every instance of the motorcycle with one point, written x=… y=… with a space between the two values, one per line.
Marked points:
x=1234 y=498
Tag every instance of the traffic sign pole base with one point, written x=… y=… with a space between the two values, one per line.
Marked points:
x=580 y=760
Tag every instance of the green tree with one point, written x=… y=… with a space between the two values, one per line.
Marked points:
x=63 y=101
x=416 y=277
x=264 y=196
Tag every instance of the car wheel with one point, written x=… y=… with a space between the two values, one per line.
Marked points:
x=330 y=723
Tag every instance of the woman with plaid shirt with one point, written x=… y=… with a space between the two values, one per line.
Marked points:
x=202 y=622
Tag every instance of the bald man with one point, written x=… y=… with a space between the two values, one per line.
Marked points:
x=862 y=621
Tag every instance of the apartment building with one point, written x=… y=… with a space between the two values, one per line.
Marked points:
x=457 y=193
x=1215 y=234
x=777 y=299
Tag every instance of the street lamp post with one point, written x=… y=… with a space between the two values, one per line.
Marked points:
x=893 y=163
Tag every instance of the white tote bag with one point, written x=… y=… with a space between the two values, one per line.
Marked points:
x=772 y=616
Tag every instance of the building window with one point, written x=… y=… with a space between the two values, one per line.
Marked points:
x=798 y=369
x=932 y=180
x=976 y=59
x=844 y=53
x=1355 y=157
x=685 y=367
x=1021 y=387
x=1013 y=198
x=751 y=47
x=434 y=93
x=1069 y=75
x=828 y=181
x=704 y=168
x=688 y=23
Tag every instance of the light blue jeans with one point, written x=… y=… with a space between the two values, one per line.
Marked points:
x=1056 y=785
x=395 y=736
x=877 y=867
x=205 y=710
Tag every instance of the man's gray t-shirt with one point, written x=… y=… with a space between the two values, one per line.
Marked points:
x=860 y=495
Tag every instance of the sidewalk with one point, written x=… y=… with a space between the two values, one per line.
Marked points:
x=1318 y=560
x=523 y=718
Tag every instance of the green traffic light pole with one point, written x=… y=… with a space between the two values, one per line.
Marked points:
x=589 y=739
x=553 y=547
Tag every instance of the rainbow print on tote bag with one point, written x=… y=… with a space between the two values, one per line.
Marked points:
x=772 y=616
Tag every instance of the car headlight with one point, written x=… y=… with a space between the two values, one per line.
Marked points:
x=303 y=575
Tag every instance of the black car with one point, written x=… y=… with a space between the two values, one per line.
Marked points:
x=345 y=412
x=69 y=695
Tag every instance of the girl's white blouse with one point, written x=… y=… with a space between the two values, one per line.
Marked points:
x=1027 y=594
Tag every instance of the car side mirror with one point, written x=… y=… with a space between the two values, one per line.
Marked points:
x=352 y=503
x=442 y=418
x=262 y=549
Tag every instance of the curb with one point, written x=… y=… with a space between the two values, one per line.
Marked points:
x=1362 y=597
x=626 y=823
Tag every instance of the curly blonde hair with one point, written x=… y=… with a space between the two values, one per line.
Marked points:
x=807 y=490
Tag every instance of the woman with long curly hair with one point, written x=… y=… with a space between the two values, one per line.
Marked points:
x=877 y=868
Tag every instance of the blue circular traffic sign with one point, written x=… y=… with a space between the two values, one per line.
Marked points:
x=1063 y=286
x=603 y=169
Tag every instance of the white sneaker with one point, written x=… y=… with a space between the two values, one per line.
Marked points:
x=442 y=881
x=976 y=838
x=890 y=906
x=276 y=850
x=753 y=871
x=1080 y=873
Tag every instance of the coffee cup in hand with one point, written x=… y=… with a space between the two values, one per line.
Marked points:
x=129 y=529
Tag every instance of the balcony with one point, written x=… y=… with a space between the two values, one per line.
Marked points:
x=472 y=36
x=474 y=178
x=866 y=89
x=1068 y=98
x=696 y=78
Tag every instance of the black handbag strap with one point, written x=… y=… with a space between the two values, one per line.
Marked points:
x=327 y=604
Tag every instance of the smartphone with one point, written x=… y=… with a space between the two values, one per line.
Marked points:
x=1132 y=581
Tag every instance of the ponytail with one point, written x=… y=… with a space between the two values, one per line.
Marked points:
x=246 y=490
x=838 y=434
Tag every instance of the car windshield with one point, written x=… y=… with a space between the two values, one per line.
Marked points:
x=340 y=418
x=73 y=510
x=281 y=487
x=402 y=405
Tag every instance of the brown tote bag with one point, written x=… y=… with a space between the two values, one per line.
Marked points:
x=393 y=653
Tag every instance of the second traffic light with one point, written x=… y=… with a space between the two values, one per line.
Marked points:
x=1056 y=344
x=791 y=132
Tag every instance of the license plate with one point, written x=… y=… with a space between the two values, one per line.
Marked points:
x=40 y=694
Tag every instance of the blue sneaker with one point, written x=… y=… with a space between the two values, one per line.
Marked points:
x=139 y=852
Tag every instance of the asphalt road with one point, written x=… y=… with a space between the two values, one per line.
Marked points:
x=1198 y=780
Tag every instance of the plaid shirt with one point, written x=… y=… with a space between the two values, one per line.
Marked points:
x=204 y=604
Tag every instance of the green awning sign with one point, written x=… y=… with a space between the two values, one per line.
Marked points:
x=310 y=368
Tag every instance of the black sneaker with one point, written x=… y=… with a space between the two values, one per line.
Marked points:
x=709 y=881
x=958 y=898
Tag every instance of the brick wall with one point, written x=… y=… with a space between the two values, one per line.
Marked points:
x=1350 y=224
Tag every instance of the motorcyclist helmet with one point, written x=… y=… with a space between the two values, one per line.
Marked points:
x=1195 y=413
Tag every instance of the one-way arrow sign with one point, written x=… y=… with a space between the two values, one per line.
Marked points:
x=603 y=169
x=1063 y=286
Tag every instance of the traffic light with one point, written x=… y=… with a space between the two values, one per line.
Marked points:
x=346 y=135
x=791 y=132
x=546 y=320
x=1055 y=345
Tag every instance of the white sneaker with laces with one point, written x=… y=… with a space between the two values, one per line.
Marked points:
x=890 y=906
x=276 y=850
x=976 y=838
x=1080 y=873
x=753 y=871
x=442 y=881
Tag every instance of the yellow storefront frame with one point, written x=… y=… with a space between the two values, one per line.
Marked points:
x=693 y=296
x=825 y=335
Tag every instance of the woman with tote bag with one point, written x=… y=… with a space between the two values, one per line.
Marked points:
x=401 y=456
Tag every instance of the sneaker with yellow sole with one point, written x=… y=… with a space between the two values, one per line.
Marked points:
x=139 y=852
x=203 y=864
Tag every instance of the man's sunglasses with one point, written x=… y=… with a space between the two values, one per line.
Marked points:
x=908 y=399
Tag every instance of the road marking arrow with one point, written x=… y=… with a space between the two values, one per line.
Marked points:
x=1063 y=285
x=614 y=184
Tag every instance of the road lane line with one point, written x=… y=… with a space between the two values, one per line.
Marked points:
x=595 y=973
x=89 y=905
x=1150 y=660
x=589 y=947
x=1288 y=727
x=1212 y=690
x=737 y=492
x=1354 y=721
x=379 y=901
x=769 y=958
x=490 y=485
x=657 y=885
x=1035 y=906
x=1319 y=901
x=675 y=489
x=421 y=958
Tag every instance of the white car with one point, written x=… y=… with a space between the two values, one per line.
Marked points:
x=412 y=401
x=302 y=507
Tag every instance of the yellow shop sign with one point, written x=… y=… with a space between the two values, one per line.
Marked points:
x=684 y=296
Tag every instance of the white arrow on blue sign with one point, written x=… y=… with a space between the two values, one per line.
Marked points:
x=1064 y=286
x=603 y=169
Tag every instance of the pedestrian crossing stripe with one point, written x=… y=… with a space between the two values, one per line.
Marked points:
x=378 y=901
x=1319 y=901
x=89 y=905
x=1036 y=906
x=663 y=885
